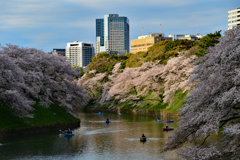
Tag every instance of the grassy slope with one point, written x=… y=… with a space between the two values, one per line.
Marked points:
x=42 y=115
x=177 y=101
x=151 y=103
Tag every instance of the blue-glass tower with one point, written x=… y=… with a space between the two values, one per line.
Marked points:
x=112 y=34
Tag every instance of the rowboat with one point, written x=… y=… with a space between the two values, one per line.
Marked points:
x=159 y=120
x=120 y=113
x=68 y=134
x=169 y=121
x=168 y=129
x=143 y=139
x=100 y=113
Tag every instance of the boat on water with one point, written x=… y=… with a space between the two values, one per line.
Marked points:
x=100 y=113
x=168 y=129
x=69 y=134
x=120 y=113
x=169 y=121
x=159 y=120
x=68 y=131
x=143 y=139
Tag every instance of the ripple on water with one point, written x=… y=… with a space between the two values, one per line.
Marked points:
x=152 y=139
x=103 y=121
x=100 y=131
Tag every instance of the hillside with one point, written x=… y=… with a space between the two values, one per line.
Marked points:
x=151 y=86
x=153 y=80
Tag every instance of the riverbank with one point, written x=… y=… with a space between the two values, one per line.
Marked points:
x=149 y=106
x=45 y=120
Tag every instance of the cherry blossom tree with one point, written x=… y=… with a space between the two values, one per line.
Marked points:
x=151 y=77
x=12 y=87
x=213 y=104
x=28 y=74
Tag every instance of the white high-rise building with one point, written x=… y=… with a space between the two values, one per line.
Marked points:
x=233 y=18
x=80 y=53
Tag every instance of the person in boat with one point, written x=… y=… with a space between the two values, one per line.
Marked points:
x=69 y=131
x=66 y=130
x=143 y=136
x=107 y=121
x=166 y=126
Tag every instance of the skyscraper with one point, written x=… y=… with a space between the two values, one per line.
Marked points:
x=233 y=18
x=112 y=34
x=79 y=53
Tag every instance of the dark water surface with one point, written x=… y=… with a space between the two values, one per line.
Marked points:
x=96 y=140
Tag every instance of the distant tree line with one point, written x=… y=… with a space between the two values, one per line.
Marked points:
x=162 y=52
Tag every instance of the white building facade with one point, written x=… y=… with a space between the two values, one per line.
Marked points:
x=80 y=53
x=233 y=18
x=186 y=36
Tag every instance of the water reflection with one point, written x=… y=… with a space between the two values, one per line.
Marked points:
x=96 y=140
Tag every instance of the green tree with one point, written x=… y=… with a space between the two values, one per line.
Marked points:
x=105 y=62
x=135 y=60
x=207 y=41
x=123 y=64
x=102 y=55
x=182 y=44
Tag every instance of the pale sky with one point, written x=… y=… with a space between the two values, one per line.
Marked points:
x=48 y=24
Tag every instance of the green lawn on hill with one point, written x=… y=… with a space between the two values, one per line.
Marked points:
x=42 y=116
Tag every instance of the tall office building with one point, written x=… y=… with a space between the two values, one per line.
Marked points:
x=112 y=34
x=233 y=18
x=79 y=53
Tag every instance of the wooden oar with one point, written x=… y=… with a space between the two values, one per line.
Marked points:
x=137 y=138
x=141 y=137
x=148 y=138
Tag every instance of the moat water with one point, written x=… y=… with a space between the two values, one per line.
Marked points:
x=96 y=140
